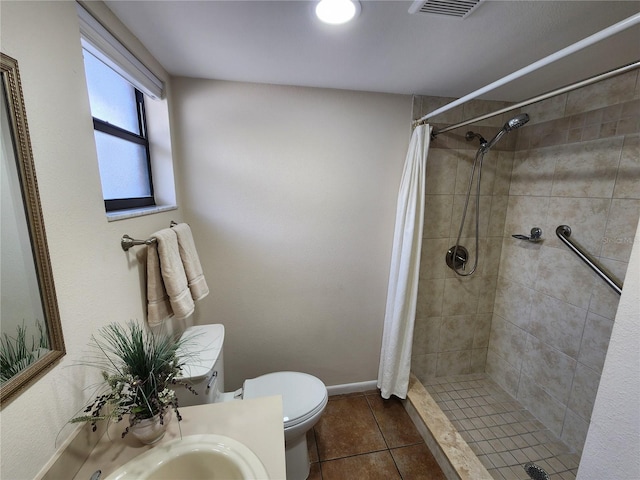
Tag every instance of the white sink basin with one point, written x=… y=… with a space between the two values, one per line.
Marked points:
x=196 y=457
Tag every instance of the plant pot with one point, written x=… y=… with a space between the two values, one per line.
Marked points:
x=149 y=430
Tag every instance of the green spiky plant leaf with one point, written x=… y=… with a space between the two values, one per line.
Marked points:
x=139 y=369
x=17 y=353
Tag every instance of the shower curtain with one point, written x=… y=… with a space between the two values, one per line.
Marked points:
x=402 y=293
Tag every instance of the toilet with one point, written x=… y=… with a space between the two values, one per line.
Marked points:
x=304 y=397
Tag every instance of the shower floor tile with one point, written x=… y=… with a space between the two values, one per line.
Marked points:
x=363 y=436
x=501 y=432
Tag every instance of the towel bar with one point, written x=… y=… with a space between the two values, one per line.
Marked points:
x=127 y=242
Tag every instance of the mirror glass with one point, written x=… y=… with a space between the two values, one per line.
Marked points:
x=30 y=332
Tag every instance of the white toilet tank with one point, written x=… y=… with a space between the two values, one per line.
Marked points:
x=203 y=366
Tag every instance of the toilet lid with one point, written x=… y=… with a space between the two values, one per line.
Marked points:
x=303 y=395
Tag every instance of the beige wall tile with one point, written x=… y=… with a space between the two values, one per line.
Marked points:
x=441 y=171
x=478 y=360
x=469 y=228
x=549 y=368
x=587 y=169
x=557 y=323
x=628 y=180
x=453 y=363
x=456 y=333
x=543 y=406
x=604 y=301
x=487 y=294
x=508 y=341
x=424 y=366
x=615 y=90
x=564 y=276
x=460 y=296
x=574 y=431
x=504 y=167
x=519 y=260
x=587 y=218
x=482 y=331
x=583 y=391
x=513 y=302
x=524 y=213
x=466 y=160
x=621 y=228
x=501 y=372
x=498 y=215
x=595 y=341
x=432 y=258
x=437 y=216
x=430 y=294
x=533 y=172
x=426 y=335
x=548 y=109
x=490 y=253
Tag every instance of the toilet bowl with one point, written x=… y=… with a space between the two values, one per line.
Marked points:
x=304 y=397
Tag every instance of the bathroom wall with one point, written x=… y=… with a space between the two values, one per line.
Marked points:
x=96 y=282
x=453 y=318
x=576 y=163
x=291 y=194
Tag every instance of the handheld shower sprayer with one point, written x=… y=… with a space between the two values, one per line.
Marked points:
x=515 y=122
x=512 y=124
x=457 y=255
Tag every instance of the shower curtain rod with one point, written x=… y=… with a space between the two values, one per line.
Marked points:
x=539 y=98
x=590 y=40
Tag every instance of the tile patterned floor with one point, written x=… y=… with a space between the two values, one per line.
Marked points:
x=501 y=432
x=364 y=437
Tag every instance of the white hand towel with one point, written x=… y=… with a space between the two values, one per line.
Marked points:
x=191 y=262
x=158 y=306
x=173 y=277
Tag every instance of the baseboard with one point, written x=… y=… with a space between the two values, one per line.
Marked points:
x=352 y=387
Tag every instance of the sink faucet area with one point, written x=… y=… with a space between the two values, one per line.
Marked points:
x=234 y=440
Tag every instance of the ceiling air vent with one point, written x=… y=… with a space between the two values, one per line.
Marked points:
x=450 y=8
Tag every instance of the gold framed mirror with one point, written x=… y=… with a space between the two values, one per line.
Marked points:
x=31 y=338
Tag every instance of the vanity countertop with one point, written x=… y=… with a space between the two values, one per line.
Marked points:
x=257 y=423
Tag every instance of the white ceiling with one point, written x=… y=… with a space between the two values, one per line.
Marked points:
x=385 y=49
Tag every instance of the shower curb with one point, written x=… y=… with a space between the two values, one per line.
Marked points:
x=451 y=451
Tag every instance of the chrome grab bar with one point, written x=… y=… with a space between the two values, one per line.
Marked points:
x=564 y=232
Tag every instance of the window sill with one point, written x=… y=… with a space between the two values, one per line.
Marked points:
x=138 y=212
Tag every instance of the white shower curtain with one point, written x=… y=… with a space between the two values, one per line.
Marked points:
x=402 y=293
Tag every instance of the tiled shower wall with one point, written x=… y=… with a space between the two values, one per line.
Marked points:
x=577 y=163
x=453 y=318
x=533 y=316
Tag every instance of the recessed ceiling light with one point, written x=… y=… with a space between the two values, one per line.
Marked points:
x=336 y=12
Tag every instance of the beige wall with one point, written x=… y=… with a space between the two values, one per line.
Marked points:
x=613 y=441
x=291 y=195
x=96 y=282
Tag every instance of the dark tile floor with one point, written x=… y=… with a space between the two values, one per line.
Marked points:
x=364 y=437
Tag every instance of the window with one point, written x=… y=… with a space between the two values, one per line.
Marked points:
x=119 y=85
x=120 y=132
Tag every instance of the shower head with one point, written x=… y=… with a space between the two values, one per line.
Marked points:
x=515 y=122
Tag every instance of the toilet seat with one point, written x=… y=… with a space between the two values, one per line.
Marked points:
x=303 y=395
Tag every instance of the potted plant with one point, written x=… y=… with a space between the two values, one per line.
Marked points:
x=139 y=369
